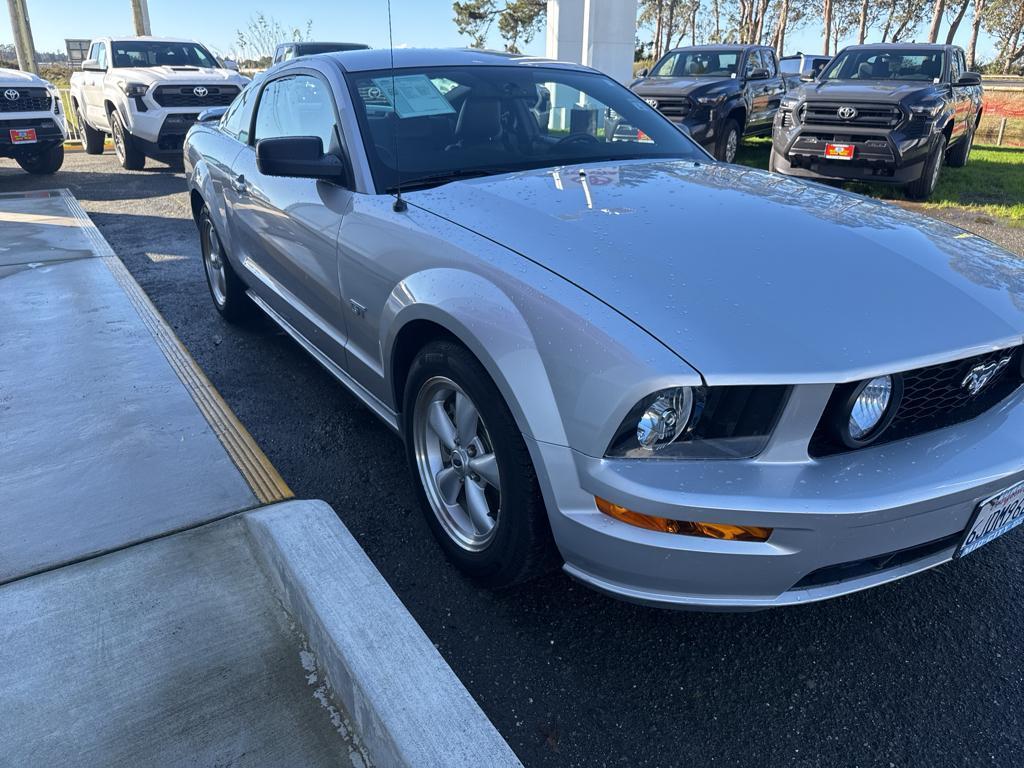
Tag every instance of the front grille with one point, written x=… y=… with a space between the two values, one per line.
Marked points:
x=185 y=95
x=868 y=115
x=934 y=397
x=674 y=107
x=29 y=100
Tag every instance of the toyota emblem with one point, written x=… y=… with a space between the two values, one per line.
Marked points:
x=847 y=113
x=11 y=95
x=652 y=102
x=200 y=91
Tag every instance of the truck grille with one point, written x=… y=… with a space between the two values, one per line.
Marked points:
x=186 y=96
x=867 y=115
x=933 y=397
x=674 y=107
x=29 y=100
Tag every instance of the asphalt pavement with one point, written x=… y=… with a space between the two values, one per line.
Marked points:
x=924 y=672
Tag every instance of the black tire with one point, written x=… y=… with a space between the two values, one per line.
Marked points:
x=724 y=147
x=958 y=156
x=45 y=163
x=128 y=154
x=923 y=187
x=520 y=546
x=227 y=292
x=92 y=140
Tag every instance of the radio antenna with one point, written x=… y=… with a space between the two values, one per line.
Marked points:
x=399 y=205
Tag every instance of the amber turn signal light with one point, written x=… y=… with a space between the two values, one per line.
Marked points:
x=686 y=528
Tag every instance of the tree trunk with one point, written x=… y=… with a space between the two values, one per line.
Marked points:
x=670 y=25
x=826 y=18
x=718 y=22
x=862 y=31
x=938 y=10
x=657 y=32
x=780 y=33
x=972 y=46
x=888 y=21
x=693 y=23
x=954 y=26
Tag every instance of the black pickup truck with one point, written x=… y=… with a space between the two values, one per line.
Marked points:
x=719 y=93
x=885 y=113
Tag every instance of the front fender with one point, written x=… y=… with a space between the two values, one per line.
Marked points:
x=487 y=322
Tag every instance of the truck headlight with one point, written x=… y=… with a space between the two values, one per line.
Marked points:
x=711 y=101
x=927 y=110
x=700 y=423
x=789 y=103
x=133 y=90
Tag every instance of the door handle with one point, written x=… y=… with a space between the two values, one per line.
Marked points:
x=238 y=184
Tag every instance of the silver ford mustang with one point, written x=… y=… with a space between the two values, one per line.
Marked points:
x=695 y=384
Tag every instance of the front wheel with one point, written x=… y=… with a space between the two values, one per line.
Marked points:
x=475 y=479
x=92 y=140
x=923 y=187
x=728 y=141
x=226 y=289
x=45 y=163
x=128 y=154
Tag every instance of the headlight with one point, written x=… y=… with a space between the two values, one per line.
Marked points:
x=711 y=101
x=700 y=423
x=929 y=109
x=133 y=90
x=789 y=103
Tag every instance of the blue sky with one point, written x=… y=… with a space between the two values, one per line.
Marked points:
x=420 y=23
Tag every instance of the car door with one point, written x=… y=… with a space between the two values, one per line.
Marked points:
x=961 y=97
x=219 y=149
x=774 y=87
x=286 y=229
x=92 y=87
x=757 y=93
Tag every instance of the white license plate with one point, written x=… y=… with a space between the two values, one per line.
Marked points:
x=995 y=516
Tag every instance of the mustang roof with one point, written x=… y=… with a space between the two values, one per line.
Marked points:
x=380 y=58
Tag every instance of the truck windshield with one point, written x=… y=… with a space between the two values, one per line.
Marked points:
x=431 y=125
x=875 y=64
x=697 y=64
x=148 y=53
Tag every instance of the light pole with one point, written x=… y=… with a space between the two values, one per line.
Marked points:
x=23 y=44
x=140 y=15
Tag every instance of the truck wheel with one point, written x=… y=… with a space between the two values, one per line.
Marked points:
x=46 y=162
x=728 y=141
x=226 y=288
x=958 y=155
x=923 y=187
x=129 y=155
x=92 y=140
x=473 y=473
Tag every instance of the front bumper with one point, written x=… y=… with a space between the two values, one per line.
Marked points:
x=162 y=132
x=50 y=131
x=889 y=156
x=841 y=524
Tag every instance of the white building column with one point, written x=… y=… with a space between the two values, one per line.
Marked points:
x=597 y=33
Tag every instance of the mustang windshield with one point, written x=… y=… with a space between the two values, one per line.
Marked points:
x=697 y=64
x=897 y=64
x=432 y=125
x=145 y=53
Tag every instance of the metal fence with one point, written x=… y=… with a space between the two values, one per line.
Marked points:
x=74 y=130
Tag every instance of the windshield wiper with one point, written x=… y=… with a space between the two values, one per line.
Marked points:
x=447 y=177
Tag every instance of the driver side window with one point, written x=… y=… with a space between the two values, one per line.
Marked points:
x=299 y=105
x=753 y=62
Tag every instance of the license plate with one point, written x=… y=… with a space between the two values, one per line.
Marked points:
x=995 y=516
x=839 y=151
x=23 y=136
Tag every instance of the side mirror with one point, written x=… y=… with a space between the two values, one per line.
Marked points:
x=300 y=157
x=231 y=64
x=92 y=65
x=758 y=74
x=969 y=78
x=644 y=72
x=211 y=115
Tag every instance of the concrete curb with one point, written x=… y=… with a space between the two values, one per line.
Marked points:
x=406 y=704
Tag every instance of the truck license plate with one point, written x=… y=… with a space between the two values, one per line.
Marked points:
x=839 y=151
x=994 y=517
x=23 y=136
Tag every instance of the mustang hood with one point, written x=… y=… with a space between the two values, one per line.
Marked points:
x=753 y=277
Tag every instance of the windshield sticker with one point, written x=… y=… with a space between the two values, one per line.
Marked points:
x=417 y=96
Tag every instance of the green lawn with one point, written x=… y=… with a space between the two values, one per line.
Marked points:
x=992 y=182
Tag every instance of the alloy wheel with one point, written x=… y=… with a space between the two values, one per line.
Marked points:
x=732 y=143
x=213 y=261
x=456 y=463
x=118 y=138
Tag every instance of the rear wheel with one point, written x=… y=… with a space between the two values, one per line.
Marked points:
x=226 y=289
x=923 y=187
x=961 y=151
x=128 y=154
x=92 y=140
x=728 y=141
x=475 y=479
x=46 y=162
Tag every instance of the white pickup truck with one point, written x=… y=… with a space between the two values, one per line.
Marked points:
x=146 y=92
x=32 y=125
